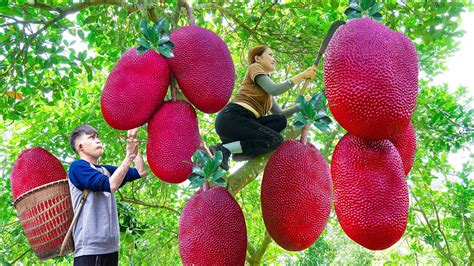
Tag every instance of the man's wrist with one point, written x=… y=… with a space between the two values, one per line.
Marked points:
x=128 y=159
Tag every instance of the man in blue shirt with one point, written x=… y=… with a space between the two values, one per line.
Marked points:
x=96 y=234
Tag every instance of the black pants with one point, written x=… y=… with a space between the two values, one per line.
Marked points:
x=110 y=259
x=256 y=135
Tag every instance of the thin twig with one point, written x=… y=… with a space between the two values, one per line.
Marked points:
x=139 y=202
x=21 y=256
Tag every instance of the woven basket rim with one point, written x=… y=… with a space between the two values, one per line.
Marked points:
x=36 y=189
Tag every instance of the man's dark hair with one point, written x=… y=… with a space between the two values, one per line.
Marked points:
x=85 y=129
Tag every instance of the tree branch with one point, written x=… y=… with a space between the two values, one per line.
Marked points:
x=189 y=11
x=263 y=14
x=139 y=202
x=225 y=12
x=263 y=247
x=80 y=6
x=21 y=256
x=251 y=252
x=432 y=232
x=256 y=255
x=438 y=222
x=329 y=142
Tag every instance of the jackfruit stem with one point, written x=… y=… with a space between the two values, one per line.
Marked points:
x=174 y=89
x=189 y=11
x=304 y=134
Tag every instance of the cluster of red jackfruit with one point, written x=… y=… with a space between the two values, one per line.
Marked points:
x=371 y=80
x=135 y=90
x=212 y=226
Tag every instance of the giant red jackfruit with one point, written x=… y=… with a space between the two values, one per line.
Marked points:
x=212 y=230
x=405 y=143
x=135 y=89
x=33 y=168
x=370 y=191
x=173 y=137
x=371 y=79
x=203 y=67
x=296 y=195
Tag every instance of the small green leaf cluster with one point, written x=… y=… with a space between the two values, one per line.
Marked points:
x=312 y=112
x=157 y=37
x=207 y=168
x=363 y=8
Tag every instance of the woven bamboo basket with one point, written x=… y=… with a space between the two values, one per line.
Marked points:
x=46 y=214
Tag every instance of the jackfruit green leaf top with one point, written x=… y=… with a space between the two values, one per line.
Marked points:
x=207 y=168
x=157 y=37
x=363 y=8
x=312 y=112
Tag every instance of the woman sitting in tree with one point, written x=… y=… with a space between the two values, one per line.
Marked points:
x=243 y=125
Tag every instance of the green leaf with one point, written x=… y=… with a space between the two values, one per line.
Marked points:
x=197 y=170
x=377 y=16
x=197 y=182
x=300 y=100
x=161 y=26
x=200 y=157
x=210 y=166
x=81 y=34
x=309 y=111
x=143 y=42
x=323 y=124
x=220 y=182
x=144 y=26
x=318 y=101
x=374 y=9
x=20 y=108
x=300 y=117
x=153 y=35
x=354 y=15
x=355 y=6
x=165 y=39
x=218 y=174
x=366 y=4
x=298 y=125
x=141 y=50
x=82 y=55
x=89 y=19
x=218 y=158
x=166 y=51
x=89 y=72
x=193 y=177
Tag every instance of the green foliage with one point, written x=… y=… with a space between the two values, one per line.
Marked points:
x=207 y=168
x=312 y=112
x=363 y=8
x=157 y=37
x=52 y=76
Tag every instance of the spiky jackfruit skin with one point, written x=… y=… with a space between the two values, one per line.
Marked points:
x=173 y=137
x=405 y=143
x=33 y=168
x=212 y=230
x=135 y=89
x=203 y=67
x=296 y=195
x=371 y=79
x=370 y=191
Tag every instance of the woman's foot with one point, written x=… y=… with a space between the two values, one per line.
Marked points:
x=225 y=155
